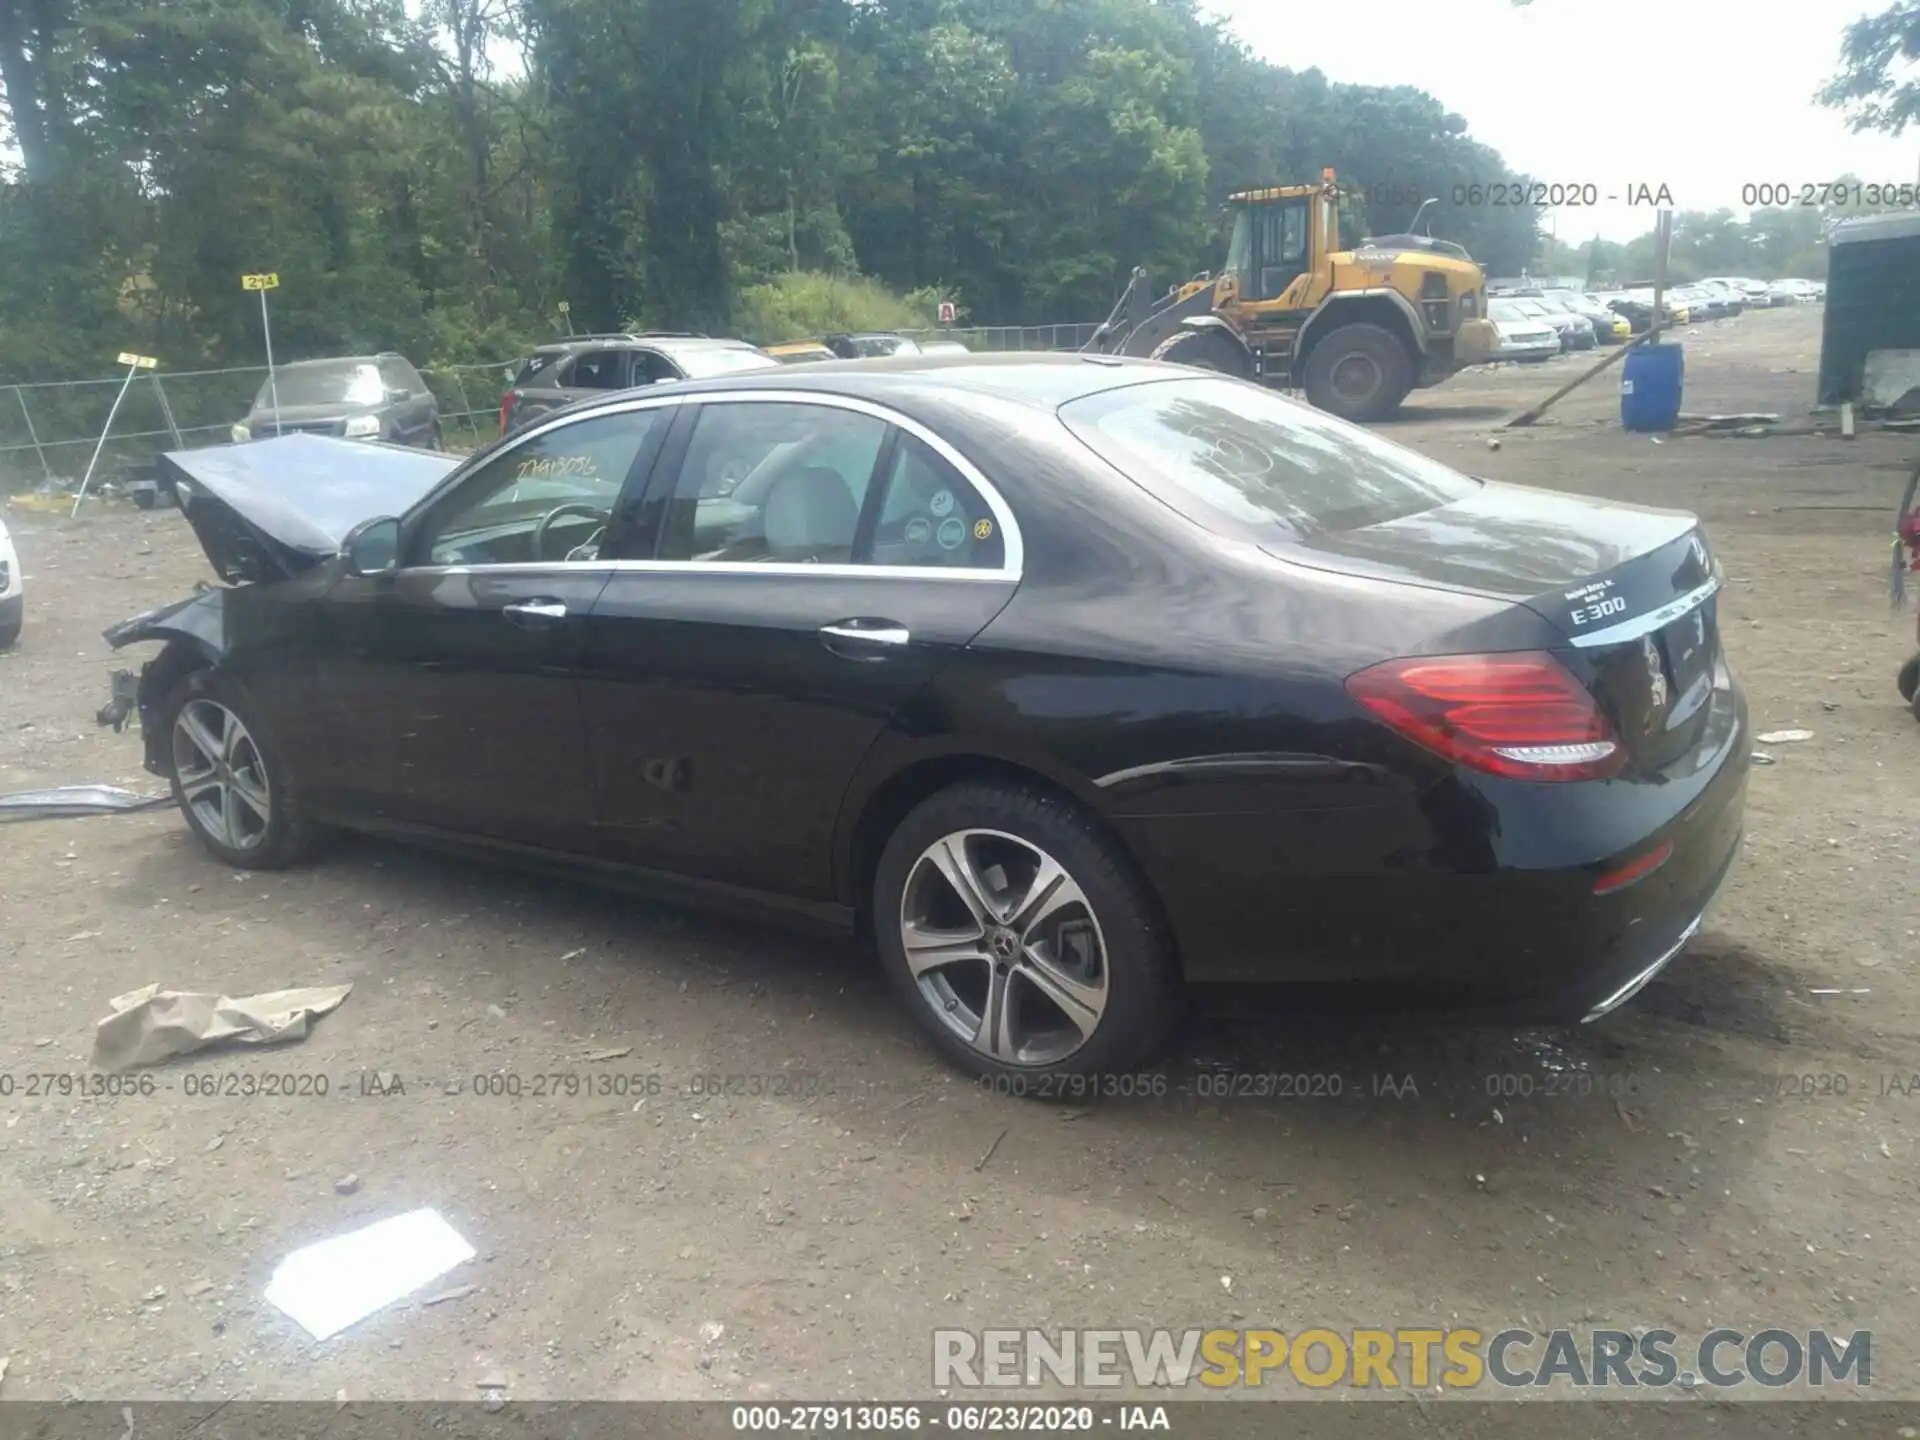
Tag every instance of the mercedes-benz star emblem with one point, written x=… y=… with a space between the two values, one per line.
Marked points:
x=1005 y=944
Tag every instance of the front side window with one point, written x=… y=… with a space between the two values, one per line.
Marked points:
x=1232 y=456
x=546 y=499
x=599 y=370
x=767 y=482
x=1283 y=246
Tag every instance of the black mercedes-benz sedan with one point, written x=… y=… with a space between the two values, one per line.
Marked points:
x=1077 y=684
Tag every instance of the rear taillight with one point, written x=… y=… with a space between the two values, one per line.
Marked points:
x=506 y=410
x=1523 y=715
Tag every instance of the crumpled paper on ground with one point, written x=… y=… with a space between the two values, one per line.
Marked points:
x=150 y=1024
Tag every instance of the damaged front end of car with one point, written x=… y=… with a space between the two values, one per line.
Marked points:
x=194 y=632
x=266 y=513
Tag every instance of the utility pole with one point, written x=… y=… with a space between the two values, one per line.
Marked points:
x=269 y=280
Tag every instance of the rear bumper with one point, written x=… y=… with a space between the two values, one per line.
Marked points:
x=1478 y=893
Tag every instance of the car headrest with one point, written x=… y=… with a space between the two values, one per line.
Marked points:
x=810 y=512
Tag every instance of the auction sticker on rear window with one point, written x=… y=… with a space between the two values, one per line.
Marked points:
x=942 y=502
x=953 y=533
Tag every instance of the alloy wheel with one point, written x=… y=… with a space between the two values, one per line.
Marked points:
x=1003 y=945
x=223 y=780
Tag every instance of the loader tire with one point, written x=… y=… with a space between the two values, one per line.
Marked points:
x=1360 y=373
x=1205 y=350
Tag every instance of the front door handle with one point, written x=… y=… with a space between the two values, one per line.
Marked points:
x=864 y=639
x=877 y=634
x=534 y=614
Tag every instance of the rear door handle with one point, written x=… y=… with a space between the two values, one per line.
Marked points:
x=864 y=639
x=534 y=614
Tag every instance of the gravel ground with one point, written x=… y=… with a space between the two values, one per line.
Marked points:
x=664 y=1243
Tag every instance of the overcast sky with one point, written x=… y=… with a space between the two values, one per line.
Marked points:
x=1561 y=89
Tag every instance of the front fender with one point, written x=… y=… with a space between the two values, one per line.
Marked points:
x=194 y=632
x=1333 y=307
x=199 y=620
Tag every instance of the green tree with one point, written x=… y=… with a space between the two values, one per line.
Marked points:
x=1876 y=85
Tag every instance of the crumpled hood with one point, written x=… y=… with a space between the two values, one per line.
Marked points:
x=270 y=509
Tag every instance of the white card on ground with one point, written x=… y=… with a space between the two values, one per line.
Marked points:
x=332 y=1284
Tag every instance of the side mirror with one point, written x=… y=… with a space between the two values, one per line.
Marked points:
x=373 y=547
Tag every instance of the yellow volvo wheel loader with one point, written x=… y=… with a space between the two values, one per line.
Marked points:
x=1357 y=329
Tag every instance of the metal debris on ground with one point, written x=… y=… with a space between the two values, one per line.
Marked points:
x=326 y=1287
x=1760 y=757
x=63 y=802
x=1784 y=737
x=150 y=1024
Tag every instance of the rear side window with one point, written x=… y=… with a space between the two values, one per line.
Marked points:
x=1232 y=456
x=539 y=370
x=931 y=516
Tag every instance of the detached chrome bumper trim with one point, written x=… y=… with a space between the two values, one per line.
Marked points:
x=1639 y=982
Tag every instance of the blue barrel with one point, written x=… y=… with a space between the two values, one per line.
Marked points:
x=1650 y=388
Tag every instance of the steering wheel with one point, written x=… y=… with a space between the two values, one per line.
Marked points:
x=572 y=507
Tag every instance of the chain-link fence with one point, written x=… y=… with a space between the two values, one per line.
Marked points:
x=992 y=338
x=48 y=430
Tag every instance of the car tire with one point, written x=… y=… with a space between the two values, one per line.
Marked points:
x=1084 y=983
x=1204 y=349
x=10 y=634
x=439 y=440
x=1332 y=357
x=1909 y=680
x=234 y=787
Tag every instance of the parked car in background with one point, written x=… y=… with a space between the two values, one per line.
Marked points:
x=799 y=352
x=1523 y=337
x=1575 y=332
x=13 y=600
x=1637 y=306
x=1732 y=295
x=1700 y=305
x=1608 y=328
x=871 y=345
x=356 y=397
x=1072 y=687
x=943 y=347
x=582 y=366
x=1781 y=293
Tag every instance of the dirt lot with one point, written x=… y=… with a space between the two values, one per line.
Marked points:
x=806 y=1245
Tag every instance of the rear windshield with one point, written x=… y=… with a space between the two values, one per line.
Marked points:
x=1230 y=455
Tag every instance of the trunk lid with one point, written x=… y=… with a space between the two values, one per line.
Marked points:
x=1630 y=591
x=271 y=509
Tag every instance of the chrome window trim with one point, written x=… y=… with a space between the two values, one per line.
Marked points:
x=1648 y=623
x=724 y=567
x=1013 y=547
